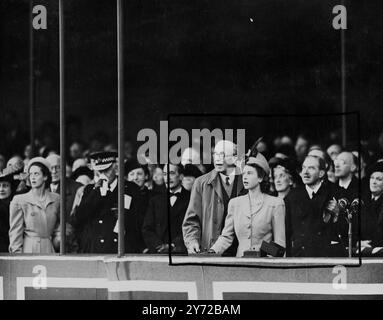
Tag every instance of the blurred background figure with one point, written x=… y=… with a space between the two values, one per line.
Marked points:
x=301 y=147
x=80 y=162
x=7 y=191
x=129 y=151
x=192 y=156
x=191 y=172
x=27 y=154
x=3 y=162
x=157 y=183
x=83 y=175
x=76 y=151
x=333 y=151
x=286 y=140
x=14 y=160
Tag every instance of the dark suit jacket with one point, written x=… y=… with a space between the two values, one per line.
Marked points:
x=351 y=193
x=155 y=229
x=71 y=189
x=4 y=225
x=372 y=220
x=143 y=202
x=96 y=217
x=307 y=235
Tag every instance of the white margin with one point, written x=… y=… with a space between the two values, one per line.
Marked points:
x=155 y=286
x=219 y=287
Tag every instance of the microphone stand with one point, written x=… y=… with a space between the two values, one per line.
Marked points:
x=349 y=220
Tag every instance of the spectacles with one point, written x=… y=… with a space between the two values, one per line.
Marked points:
x=221 y=155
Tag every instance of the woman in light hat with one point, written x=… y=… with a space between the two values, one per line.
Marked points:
x=284 y=176
x=34 y=216
x=256 y=216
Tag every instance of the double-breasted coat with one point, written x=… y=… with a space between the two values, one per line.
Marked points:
x=95 y=220
x=265 y=223
x=34 y=226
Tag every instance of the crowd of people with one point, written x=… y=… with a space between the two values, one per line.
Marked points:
x=301 y=197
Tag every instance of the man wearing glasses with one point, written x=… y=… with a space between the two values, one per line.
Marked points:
x=211 y=193
x=345 y=167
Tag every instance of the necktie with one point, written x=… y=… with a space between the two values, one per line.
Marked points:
x=54 y=187
x=173 y=198
x=227 y=181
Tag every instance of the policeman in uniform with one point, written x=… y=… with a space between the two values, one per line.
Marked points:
x=96 y=216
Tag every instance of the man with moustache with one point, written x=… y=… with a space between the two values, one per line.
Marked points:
x=312 y=215
x=155 y=229
x=97 y=212
x=211 y=193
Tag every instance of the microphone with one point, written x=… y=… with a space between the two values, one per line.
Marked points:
x=343 y=204
x=354 y=206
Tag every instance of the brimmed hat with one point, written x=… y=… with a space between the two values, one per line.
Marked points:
x=8 y=177
x=289 y=165
x=377 y=167
x=82 y=171
x=132 y=165
x=260 y=161
x=102 y=160
x=40 y=160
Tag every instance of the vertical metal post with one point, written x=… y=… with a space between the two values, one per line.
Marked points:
x=31 y=83
x=120 y=92
x=343 y=85
x=62 y=129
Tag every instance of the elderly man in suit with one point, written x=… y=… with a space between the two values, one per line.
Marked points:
x=71 y=185
x=312 y=211
x=155 y=229
x=210 y=196
x=72 y=188
x=345 y=168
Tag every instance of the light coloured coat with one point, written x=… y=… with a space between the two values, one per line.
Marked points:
x=265 y=223
x=204 y=217
x=34 y=227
